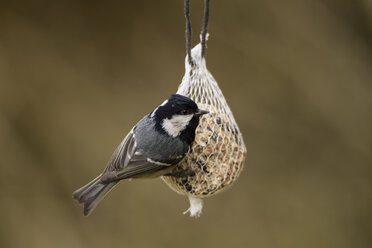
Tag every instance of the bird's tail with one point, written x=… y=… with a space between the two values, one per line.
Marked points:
x=92 y=193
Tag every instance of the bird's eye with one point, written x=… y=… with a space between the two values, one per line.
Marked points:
x=184 y=112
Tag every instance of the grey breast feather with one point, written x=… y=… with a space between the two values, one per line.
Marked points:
x=159 y=146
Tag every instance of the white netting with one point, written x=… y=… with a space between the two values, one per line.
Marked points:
x=218 y=152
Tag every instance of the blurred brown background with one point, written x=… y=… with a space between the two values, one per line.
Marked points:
x=75 y=76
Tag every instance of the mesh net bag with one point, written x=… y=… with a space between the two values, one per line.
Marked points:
x=218 y=152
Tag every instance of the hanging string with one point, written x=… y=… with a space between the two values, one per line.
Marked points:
x=205 y=26
x=188 y=31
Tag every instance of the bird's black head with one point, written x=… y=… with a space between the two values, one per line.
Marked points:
x=178 y=117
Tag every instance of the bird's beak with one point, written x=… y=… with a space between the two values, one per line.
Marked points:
x=201 y=112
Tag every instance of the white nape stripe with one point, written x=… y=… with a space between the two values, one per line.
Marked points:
x=157 y=162
x=165 y=102
x=175 y=125
x=153 y=112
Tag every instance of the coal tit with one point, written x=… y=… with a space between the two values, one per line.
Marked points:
x=155 y=144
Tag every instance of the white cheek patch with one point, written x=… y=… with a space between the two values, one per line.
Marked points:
x=176 y=124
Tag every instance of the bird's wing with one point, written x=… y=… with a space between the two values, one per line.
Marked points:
x=128 y=162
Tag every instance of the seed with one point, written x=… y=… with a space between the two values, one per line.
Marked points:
x=217 y=156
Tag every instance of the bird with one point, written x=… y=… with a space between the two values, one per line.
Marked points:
x=158 y=142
